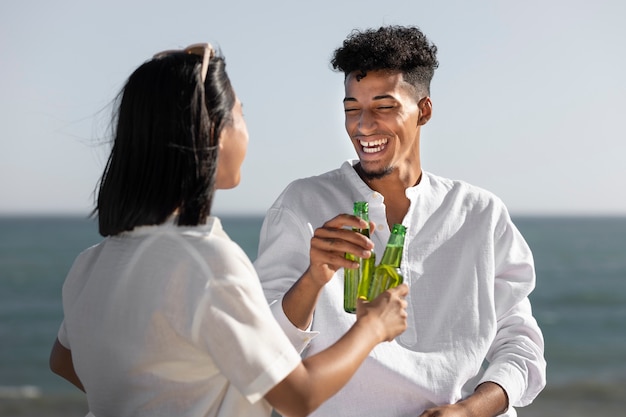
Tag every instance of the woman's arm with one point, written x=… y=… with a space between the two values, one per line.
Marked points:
x=322 y=375
x=62 y=365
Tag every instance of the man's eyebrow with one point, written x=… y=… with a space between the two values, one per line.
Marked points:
x=381 y=97
x=384 y=97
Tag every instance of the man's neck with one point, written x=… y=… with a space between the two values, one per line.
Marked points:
x=392 y=187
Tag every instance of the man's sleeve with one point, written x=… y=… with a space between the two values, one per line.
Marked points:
x=516 y=357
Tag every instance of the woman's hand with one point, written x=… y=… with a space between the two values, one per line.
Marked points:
x=389 y=310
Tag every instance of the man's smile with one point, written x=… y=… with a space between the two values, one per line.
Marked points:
x=374 y=145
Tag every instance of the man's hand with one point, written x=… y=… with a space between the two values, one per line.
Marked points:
x=330 y=243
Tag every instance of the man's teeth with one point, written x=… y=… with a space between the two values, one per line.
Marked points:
x=374 y=145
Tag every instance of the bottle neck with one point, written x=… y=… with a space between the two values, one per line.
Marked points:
x=393 y=251
x=363 y=214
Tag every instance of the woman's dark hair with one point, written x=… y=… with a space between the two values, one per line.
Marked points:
x=398 y=48
x=164 y=155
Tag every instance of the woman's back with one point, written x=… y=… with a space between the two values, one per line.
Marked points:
x=176 y=357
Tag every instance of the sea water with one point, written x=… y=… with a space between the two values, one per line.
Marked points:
x=579 y=301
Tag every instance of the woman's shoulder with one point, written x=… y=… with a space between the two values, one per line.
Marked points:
x=211 y=246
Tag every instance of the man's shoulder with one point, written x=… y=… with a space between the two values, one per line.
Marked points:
x=328 y=181
x=450 y=183
x=463 y=190
x=324 y=177
x=321 y=196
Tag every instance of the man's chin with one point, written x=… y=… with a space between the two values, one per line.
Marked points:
x=372 y=173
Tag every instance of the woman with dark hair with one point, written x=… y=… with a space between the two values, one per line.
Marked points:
x=166 y=316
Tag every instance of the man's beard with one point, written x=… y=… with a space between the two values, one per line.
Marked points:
x=374 y=175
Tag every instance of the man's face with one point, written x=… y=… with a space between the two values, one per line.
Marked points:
x=382 y=120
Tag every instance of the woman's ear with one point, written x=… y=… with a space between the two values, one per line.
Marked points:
x=425 y=106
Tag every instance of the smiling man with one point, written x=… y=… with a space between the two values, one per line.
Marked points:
x=472 y=346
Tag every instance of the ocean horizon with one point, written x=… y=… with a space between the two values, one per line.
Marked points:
x=579 y=302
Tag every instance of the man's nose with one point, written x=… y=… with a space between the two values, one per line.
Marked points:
x=367 y=122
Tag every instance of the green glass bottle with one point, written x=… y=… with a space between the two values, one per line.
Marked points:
x=387 y=273
x=353 y=277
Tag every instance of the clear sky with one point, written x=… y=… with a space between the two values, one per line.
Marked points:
x=529 y=100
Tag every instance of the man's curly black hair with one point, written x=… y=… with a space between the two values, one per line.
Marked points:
x=399 y=48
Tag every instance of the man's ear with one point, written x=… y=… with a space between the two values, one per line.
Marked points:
x=425 y=106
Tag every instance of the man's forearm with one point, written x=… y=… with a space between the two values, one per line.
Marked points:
x=299 y=302
x=488 y=400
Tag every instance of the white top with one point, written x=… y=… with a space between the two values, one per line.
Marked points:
x=171 y=321
x=469 y=271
